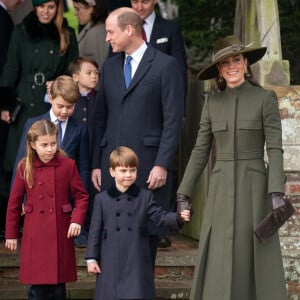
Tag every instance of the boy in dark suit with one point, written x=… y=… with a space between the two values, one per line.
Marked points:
x=74 y=136
x=118 y=246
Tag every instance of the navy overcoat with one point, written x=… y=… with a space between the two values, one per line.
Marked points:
x=118 y=242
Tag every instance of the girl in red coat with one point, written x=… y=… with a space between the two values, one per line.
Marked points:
x=46 y=178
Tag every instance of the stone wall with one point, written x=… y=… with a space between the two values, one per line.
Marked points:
x=289 y=105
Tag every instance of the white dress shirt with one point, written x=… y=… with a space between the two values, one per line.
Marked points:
x=136 y=58
x=63 y=124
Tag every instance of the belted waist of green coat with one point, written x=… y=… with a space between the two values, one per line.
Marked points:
x=240 y=155
x=38 y=78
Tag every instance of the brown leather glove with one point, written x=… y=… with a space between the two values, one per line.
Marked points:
x=277 y=206
x=183 y=203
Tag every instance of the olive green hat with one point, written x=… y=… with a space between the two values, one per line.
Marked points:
x=227 y=47
x=39 y=2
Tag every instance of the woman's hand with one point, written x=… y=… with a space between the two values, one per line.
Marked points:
x=74 y=230
x=11 y=244
x=5 y=116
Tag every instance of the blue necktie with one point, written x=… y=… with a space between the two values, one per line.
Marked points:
x=127 y=71
x=59 y=136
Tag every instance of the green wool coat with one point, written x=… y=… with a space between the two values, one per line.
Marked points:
x=232 y=264
x=33 y=49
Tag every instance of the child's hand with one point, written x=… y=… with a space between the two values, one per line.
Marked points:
x=74 y=230
x=11 y=244
x=93 y=267
x=185 y=215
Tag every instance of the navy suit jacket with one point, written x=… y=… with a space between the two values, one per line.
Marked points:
x=147 y=117
x=75 y=143
x=166 y=36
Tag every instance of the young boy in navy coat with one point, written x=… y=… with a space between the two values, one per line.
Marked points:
x=118 y=244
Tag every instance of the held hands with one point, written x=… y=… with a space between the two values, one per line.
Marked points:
x=184 y=207
x=11 y=244
x=185 y=216
x=74 y=230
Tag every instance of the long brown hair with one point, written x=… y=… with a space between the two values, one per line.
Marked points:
x=63 y=32
x=39 y=128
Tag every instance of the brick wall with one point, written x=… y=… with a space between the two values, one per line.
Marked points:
x=289 y=106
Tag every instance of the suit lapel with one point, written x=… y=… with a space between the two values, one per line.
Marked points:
x=117 y=75
x=68 y=133
x=155 y=31
x=143 y=67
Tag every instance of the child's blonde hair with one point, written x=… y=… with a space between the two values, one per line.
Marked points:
x=123 y=156
x=37 y=129
x=65 y=87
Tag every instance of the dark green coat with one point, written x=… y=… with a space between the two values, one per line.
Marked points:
x=232 y=264
x=33 y=49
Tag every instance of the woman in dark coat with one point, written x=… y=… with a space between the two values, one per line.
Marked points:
x=40 y=49
x=242 y=118
x=47 y=179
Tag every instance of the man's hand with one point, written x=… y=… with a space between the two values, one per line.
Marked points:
x=157 y=178
x=96 y=179
x=93 y=267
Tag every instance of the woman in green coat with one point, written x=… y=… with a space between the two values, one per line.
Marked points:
x=41 y=48
x=242 y=118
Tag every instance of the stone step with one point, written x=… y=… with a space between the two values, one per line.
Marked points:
x=173 y=273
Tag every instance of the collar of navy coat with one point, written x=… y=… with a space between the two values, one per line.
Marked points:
x=132 y=191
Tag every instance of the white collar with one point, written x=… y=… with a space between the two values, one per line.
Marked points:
x=138 y=53
x=150 y=19
x=3 y=5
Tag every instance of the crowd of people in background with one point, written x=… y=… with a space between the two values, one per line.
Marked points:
x=90 y=127
x=69 y=79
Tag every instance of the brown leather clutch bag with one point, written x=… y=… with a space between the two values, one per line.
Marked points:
x=269 y=225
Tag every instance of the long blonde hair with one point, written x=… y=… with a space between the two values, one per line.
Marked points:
x=39 y=128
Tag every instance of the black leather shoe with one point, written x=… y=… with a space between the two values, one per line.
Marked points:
x=164 y=242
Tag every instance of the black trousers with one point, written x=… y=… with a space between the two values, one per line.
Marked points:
x=43 y=291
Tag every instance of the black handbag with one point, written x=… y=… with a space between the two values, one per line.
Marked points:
x=269 y=226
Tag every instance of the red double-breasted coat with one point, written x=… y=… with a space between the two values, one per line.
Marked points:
x=47 y=255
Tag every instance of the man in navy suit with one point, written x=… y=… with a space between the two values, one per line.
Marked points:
x=166 y=36
x=146 y=116
x=162 y=34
